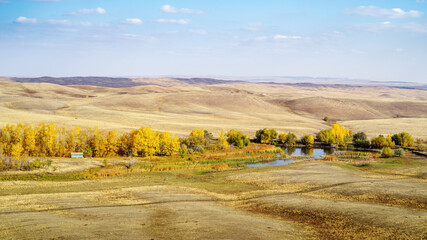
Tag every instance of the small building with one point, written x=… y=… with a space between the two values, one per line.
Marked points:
x=76 y=155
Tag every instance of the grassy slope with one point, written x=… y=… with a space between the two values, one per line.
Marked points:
x=179 y=107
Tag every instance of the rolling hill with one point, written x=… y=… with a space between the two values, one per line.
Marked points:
x=179 y=105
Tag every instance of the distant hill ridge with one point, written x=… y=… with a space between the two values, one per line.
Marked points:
x=111 y=82
x=118 y=82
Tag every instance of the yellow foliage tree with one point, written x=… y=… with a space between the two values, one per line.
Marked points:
x=307 y=140
x=167 y=144
x=17 y=150
x=144 y=142
x=72 y=140
x=222 y=143
x=283 y=137
x=197 y=137
x=340 y=133
x=390 y=142
x=112 y=143
x=29 y=142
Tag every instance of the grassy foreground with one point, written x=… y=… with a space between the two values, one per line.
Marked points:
x=211 y=196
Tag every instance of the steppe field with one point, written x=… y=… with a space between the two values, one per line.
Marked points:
x=214 y=195
x=180 y=105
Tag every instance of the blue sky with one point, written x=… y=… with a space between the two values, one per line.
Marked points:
x=375 y=40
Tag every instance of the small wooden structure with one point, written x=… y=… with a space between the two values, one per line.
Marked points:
x=76 y=155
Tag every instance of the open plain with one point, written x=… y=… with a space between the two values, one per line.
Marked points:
x=180 y=105
x=214 y=195
x=304 y=200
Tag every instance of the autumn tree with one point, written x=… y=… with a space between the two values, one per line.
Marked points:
x=326 y=136
x=283 y=137
x=112 y=143
x=379 y=142
x=46 y=139
x=167 y=144
x=197 y=137
x=266 y=135
x=29 y=141
x=17 y=150
x=124 y=145
x=238 y=139
x=340 y=133
x=390 y=142
x=307 y=140
x=336 y=135
x=291 y=139
x=222 y=143
x=405 y=139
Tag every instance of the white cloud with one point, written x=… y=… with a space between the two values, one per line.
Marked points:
x=59 y=22
x=130 y=35
x=261 y=38
x=97 y=11
x=170 y=9
x=389 y=26
x=198 y=31
x=373 y=11
x=132 y=21
x=286 y=37
x=174 y=21
x=68 y=23
x=253 y=26
x=25 y=20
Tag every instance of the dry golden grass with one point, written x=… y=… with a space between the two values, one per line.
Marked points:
x=179 y=107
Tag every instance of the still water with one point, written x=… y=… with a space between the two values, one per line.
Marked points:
x=298 y=151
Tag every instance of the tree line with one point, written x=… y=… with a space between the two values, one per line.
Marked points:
x=336 y=135
x=50 y=140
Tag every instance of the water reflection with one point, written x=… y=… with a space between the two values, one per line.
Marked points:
x=329 y=151
x=315 y=153
x=290 y=150
x=273 y=163
x=307 y=151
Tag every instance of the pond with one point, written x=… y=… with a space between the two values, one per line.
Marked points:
x=273 y=163
x=315 y=153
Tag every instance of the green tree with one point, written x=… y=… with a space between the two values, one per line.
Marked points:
x=396 y=139
x=183 y=151
x=238 y=139
x=390 y=142
x=360 y=140
x=399 y=152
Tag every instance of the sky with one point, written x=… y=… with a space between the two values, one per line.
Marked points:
x=380 y=40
